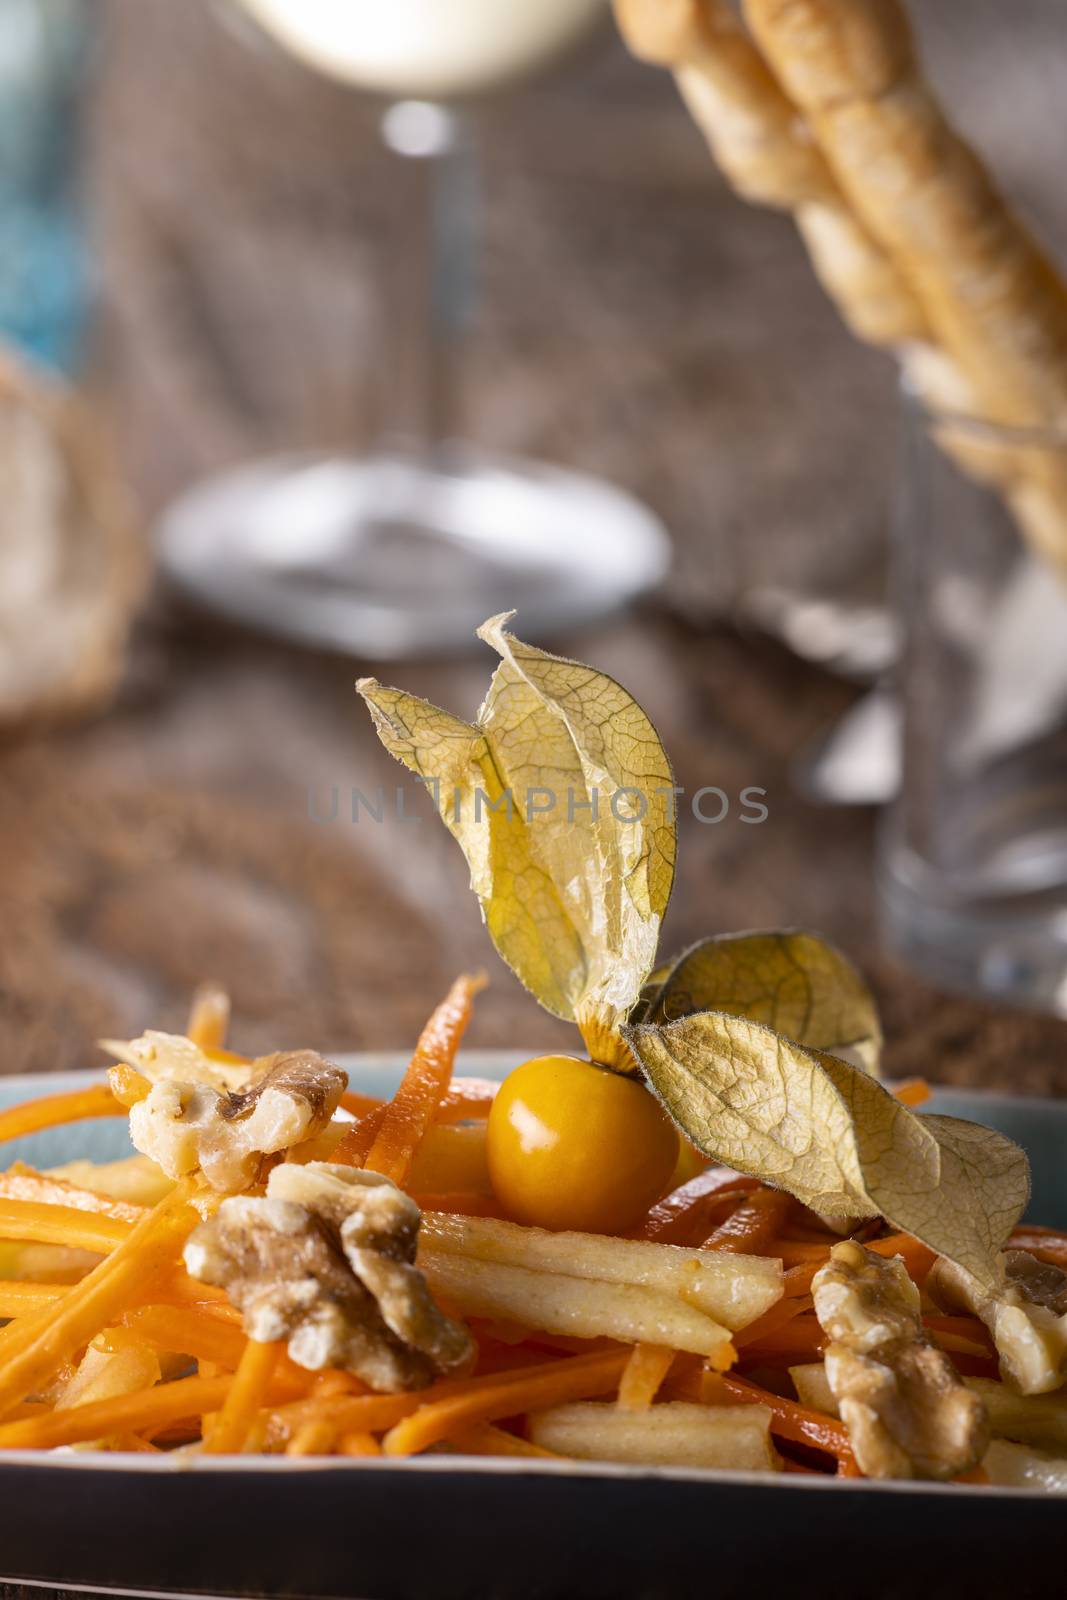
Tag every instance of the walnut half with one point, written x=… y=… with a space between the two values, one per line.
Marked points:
x=325 y=1261
x=908 y=1412
x=1026 y=1314
x=183 y=1126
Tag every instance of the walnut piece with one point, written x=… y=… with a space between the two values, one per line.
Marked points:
x=325 y=1261
x=1026 y=1315
x=161 y=1056
x=908 y=1412
x=183 y=1126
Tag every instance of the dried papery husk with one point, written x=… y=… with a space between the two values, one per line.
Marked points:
x=573 y=891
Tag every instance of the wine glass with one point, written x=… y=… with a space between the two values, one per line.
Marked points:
x=404 y=551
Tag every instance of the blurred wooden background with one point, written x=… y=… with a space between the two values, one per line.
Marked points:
x=635 y=320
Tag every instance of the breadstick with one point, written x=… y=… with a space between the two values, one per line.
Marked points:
x=993 y=299
x=768 y=155
x=766 y=149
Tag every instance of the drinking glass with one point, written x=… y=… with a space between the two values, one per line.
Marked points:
x=404 y=551
x=973 y=871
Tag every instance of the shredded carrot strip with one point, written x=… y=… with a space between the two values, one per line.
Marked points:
x=128 y=1086
x=22 y=1183
x=32 y=1348
x=964 y=1326
x=230 y=1058
x=646 y=1369
x=795 y=1253
x=355 y=1145
x=750 y=1229
x=243 y=1399
x=795 y=1466
x=788 y=1419
x=799 y=1231
x=53 y=1110
x=55 y=1224
x=17 y=1299
x=676 y=1217
x=166 y=1403
x=797 y=1280
x=209 y=1017
x=488 y=1440
x=177 y=1288
x=337 y=1382
x=467 y=1098
x=913 y=1091
x=414 y=1106
x=182 y=1330
x=493 y=1357
x=566 y=1344
x=800 y=1338
x=780 y=1314
x=489 y=1399
x=359 y=1444
x=199 y=1332
x=149 y=1410
x=1043 y=1243
x=976 y=1475
x=371 y=1413
x=961 y=1349
x=962 y=1335
x=918 y=1257
x=313 y=1439
x=499 y=1331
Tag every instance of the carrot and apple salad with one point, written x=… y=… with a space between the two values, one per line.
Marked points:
x=703 y=1335
x=710 y=1238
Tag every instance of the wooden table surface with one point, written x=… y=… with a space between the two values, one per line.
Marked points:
x=636 y=320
